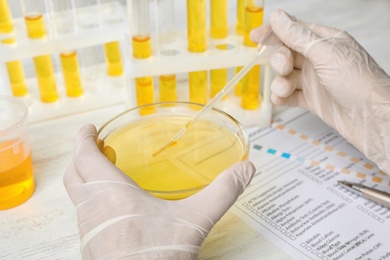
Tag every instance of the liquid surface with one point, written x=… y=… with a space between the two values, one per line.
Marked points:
x=167 y=84
x=194 y=161
x=35 y=25
x=253 y=18
x=219 y=19
x=16 y=175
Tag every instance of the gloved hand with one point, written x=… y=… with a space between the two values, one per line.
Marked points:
x=327 y=72
x=117 y=219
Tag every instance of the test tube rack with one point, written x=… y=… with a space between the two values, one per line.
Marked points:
x=103 y=92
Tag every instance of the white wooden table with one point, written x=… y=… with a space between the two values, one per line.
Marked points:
x=45 y=227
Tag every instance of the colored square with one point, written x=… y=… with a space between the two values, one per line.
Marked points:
x=316 y=142
x=286 y=155
x=369 y=166
x=271 y=151
x=257 y=147
x=315 y=163
x=291 y=131
x=330 y=167
x=377 y=179
x=280 y=127
x=341 y=154
x=304 y=137
x=361 y=175
x=355 y=159
x=328 y=148
x=300 y=159
x=345 y=171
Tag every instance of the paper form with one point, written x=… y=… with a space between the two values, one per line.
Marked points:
x=294 y=199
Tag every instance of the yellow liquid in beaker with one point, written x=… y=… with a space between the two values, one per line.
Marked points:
x=167 y=84
x=196 y=25
x=71 y=73
x=198 y=86
x=253 y=18
x=219 y=19
x=45 y=75
x=35 y=25
x=16 y=77
x=202 y=153
x=16 y=175
x=6 y=25
x=250 y=97
x=113 y=58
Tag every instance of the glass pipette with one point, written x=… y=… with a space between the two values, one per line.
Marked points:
x=269 y=43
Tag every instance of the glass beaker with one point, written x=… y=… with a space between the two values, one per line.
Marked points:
x=16 y=171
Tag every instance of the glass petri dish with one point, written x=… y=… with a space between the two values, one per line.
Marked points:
x=214 y=143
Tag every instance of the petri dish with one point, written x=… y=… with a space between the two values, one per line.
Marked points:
x=214 y=143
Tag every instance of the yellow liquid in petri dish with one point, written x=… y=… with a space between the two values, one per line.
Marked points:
x=196 y=25
x=71 y=73
x=6 y=25
x=253 y=18
x=16 y=176
x=167 y=84
x=35 y=25
x=194 y=161
x=113 y=58
x=45 y=75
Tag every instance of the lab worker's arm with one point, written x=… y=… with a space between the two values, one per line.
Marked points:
x=327 y=72
x=119 y=220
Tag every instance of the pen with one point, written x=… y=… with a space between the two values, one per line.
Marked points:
x=377 y=196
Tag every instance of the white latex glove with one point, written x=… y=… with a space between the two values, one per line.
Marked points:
x=117 y=219
x=327 y=72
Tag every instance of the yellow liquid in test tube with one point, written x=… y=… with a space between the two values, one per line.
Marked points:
x=240 y=17
x=71 y=73
x=35 y=25
x=198 y=86
x=253 y=19
x=167 y=85
x=219 y=19
x=16 y=175
x=144 y=86
x=193 y=162
x=45 y=75
x=16 y=74
x=113 y=58
x=6 y=25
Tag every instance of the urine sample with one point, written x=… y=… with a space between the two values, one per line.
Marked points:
x=213 y=144
x=253 y=18
x=16 y=74
x=33 y=16
x=6 y=25
x=218 y=30
x=166 y=36
x=240 y=17
x=71 y=72
x=139 y=15
x=63 y=23
x=196 y=29
x=113 y=58
x=16 y=169
x=218 y=19
x=250 y=92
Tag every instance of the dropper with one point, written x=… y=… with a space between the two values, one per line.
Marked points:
x=268 y=44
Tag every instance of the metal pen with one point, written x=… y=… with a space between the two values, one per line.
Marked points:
x=380 y=197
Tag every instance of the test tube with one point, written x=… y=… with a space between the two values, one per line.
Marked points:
x=63 y=22
x=240 y=31
x=196 y=29
x=253 y=18
x=139 y=16
x=165 y=29
x=33 y=16
x=6 y=25
x=16 y=74
x=87 y=13
x=218 y=30
x=110 y=11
